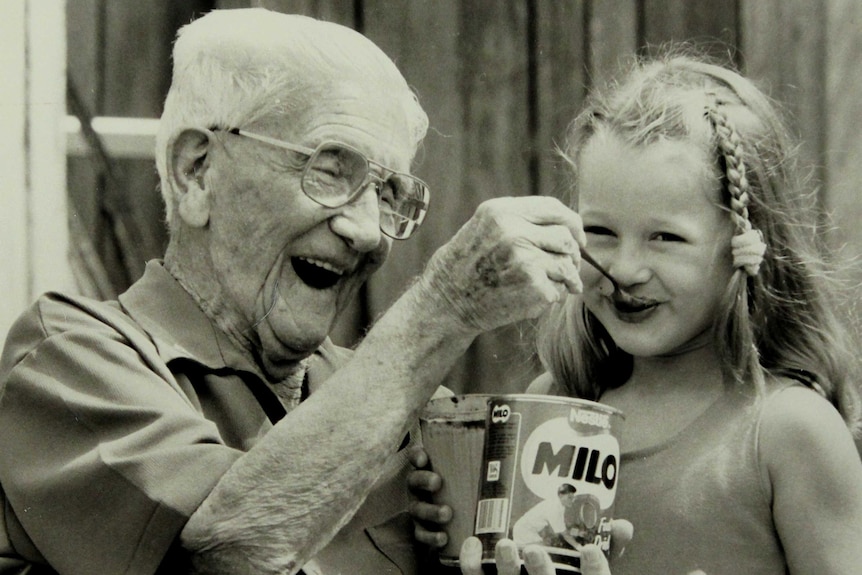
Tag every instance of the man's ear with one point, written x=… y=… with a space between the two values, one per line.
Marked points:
x=188 y=162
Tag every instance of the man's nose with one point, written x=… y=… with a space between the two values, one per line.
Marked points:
x=358 y=222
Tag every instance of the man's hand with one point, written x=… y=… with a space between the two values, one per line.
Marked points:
x=508 y=262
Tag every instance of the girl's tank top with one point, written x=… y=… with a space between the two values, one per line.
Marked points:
x=700 y=499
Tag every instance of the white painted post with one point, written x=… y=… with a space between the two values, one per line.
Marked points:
x=14 y=249
x=34 y=237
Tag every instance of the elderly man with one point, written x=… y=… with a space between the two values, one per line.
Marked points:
x=169 y=431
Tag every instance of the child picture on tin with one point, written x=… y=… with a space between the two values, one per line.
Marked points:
x=737 y=380
x=558 y=522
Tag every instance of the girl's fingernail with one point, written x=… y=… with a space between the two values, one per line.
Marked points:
x=591 y=555
x=532 y=557
x=510 y=553
x=472 y=545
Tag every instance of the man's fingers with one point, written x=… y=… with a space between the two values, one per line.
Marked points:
x=555 y=239
x=561 y=269
x=544 y=210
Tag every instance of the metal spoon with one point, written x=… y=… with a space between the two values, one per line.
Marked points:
x=623 y=296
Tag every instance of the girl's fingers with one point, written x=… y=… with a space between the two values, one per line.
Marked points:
x=470 y=557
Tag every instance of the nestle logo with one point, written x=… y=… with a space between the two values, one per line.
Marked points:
x=587 y=417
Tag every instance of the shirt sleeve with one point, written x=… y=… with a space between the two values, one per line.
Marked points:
x=103 y=457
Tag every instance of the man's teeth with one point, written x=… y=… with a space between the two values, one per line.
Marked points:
x=321 y=264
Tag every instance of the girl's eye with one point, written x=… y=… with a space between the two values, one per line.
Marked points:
x=598 y=231
x=668 y=237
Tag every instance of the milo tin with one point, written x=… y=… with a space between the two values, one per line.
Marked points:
x=549 y=475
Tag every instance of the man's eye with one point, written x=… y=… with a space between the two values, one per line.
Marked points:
x=668 y=237
x=328 y=167
x=387 y=193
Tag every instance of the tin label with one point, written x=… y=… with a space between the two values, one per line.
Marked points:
x=549 y=475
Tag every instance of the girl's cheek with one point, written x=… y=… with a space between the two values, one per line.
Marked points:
x=595 y=284
x=604 y=288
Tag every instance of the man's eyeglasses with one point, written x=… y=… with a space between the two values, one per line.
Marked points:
x=335 y=174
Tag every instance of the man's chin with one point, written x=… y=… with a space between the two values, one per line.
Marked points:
x=282 y=361
x=281 y=352
x=280 y=369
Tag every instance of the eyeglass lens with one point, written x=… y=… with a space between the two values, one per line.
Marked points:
x=335 y=173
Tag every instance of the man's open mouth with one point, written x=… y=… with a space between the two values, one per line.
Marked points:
x=315 y=273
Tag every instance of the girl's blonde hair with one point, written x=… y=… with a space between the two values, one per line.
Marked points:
x=782 y=320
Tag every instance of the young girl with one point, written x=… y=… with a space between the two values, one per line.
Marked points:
x=735 y=376
x=733 y=372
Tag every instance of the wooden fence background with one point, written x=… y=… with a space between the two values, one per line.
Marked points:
x=500 y=79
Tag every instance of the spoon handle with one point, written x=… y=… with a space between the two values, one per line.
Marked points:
x=590 y=260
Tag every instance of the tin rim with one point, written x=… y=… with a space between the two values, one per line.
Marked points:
x=480 y=400
x=560 y=399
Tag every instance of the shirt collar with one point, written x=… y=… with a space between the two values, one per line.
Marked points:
x=177 y=325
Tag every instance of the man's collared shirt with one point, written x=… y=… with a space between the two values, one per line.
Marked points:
x=118 y=419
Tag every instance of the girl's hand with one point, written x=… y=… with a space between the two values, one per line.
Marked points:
x=429 y=519
x=537 y=561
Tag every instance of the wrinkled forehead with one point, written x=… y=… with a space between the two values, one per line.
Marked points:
x=369 y=114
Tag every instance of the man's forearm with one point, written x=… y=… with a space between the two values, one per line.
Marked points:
x=288 y=496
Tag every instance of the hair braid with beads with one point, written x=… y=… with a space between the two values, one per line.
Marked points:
x=732 y=150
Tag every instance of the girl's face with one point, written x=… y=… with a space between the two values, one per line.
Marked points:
x=652 y=217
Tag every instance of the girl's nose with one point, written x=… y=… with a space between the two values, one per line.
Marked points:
x=628 y=265
x=358 y=222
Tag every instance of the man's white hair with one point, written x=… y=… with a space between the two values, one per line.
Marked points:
x=233 y=67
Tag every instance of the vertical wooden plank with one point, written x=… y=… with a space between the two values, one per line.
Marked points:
x=495 y=77
x=14 y=269
x=119 y=64
x=711 y=24
x=843 y=144
x=424 y=39
x=138 y=41
x=843 y=153
x=341 y=12
x=233 y=4
x=469 y=64
x=613 y=37
x=84 y=69
x=783 y=46
x=83 y=180
x=560 y=62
